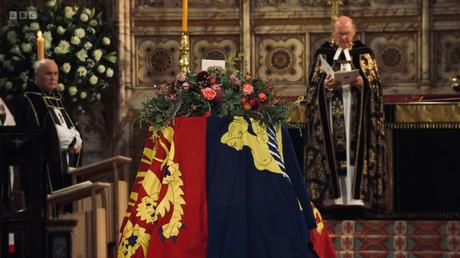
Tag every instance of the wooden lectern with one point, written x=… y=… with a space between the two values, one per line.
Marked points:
x=114 y=170
x=24 y=148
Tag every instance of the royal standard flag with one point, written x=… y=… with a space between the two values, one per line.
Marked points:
x=218 y=188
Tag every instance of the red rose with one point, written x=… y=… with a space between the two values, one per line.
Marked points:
x=262 y=97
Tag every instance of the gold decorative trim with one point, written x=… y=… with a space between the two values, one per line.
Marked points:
x=422 y=125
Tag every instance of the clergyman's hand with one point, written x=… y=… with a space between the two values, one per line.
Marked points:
x=331 y=83
x=358 y=81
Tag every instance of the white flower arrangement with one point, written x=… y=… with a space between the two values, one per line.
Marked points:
x=78 y=41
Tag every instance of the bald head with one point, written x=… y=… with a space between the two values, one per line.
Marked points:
x=344 y=32
x=46 y=74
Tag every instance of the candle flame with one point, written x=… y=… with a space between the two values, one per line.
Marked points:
x=39 y=34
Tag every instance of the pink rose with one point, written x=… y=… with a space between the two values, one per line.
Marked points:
x=248 y=89
x=234 y=79
x=218 y=89
x=208 y=93
x=262 y=97
x=185 y=86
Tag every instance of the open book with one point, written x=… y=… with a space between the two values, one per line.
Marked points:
x=345 y=77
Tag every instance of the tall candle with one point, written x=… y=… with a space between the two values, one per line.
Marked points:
x=40 y=46
x=184 y=15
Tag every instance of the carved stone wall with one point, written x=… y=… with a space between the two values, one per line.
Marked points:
x=415 y=41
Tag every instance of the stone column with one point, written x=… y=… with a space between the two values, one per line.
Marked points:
x=425 y=45
x=246 y=31
x=125 y=68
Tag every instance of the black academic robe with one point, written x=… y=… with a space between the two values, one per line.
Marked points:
x=35 y=109
x=325 y=153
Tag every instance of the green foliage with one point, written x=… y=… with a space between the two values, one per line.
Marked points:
x=217 y=92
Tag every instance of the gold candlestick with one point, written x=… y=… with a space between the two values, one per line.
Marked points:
x=184 y=61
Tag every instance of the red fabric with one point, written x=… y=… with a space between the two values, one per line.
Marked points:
x=189 y=150
x=320 y=238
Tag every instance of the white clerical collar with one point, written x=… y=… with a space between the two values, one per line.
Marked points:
x=346 y=52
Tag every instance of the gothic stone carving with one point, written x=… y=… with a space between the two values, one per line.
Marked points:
x=212 y=47
x=280 y=57
x=396 y=55
x=157 y=60
x=447 y=54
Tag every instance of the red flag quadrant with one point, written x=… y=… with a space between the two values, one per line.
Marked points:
x=320 y=237
x=167 y=216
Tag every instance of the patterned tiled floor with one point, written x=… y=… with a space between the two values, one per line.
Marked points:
x=395 y=238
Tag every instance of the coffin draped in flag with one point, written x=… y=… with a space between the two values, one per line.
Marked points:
x=218 y=188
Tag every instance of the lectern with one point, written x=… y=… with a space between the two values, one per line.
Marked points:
x=24 y=148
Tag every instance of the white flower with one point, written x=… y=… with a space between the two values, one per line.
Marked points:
x=23 y=76
x=62 y=47
x=109 y=72
x=93 y=23
x=47 y=36
x=82 y=55
x=91 y=30
x=69 y=12
x=26 y=47
x=51 y=3
x=98 y=96
x=48 y=39
x=105 y=41
x=87 y=11
x=11 y=36
x=88 y=45
x=47 y=44
x=97 y=54
x=34 y=26
x=60 y=87
x=8 y=85
x=84 y=17
x=83 y=95
x=75 y=40
x=79 y=32
x=15 y=50
x=2 y=57
x=93 y=80
x=101 y=68
x=72 y=90
x=82 y=71
x=60 y=30
x=66 y=67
